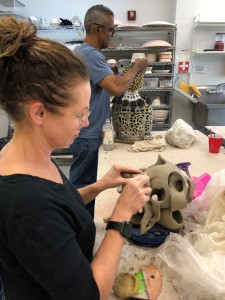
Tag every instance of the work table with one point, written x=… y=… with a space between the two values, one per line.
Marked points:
x=201 y=162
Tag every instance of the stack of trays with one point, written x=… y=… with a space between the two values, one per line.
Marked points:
x=165 y=57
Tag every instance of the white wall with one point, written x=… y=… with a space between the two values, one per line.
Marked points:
x=180 y=12
x=146 y=10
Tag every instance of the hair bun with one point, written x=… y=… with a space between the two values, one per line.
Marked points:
x=14 y=35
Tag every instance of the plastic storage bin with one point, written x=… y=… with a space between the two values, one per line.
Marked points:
x=150 y=83
x=165 y=83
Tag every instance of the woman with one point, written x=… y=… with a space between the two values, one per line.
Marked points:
x=46 y=234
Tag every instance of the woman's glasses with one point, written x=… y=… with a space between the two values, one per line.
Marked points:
x=83 y=116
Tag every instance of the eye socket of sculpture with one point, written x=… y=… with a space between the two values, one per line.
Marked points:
x=177 y=216
x=176 y=182
x=159 y=192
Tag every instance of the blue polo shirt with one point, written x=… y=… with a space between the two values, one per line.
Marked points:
x=99 y=103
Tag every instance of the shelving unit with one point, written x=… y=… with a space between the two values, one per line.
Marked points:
x=124 y=43
x=203 y=38
x=201 y=34
x=211 y=110
x=12 y=4
x=127 y=41
x=62 y=33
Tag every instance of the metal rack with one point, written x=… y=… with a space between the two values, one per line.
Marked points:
x=62 y=33
x=14 y=12
x=129 y=40
x=11 y=3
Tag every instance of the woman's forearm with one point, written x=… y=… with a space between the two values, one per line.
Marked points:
x=91 y=191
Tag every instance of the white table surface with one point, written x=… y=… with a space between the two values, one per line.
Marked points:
x=201 y=161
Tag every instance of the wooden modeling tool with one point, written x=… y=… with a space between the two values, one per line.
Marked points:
x=153 y=281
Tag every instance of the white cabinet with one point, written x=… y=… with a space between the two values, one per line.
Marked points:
x=127 y=41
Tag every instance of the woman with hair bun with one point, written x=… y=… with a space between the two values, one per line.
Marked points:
x=46 y=234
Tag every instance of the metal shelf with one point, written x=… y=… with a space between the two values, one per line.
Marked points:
x=156 y=89
x=11 y=3
x=159 y=75
x=59 y=29
x=208 y=24
x=156 y=127
x=142 y=49
x=62 y=33
x=208 y=53
x=127 y=52
x=146 y=28
x=143 y=31
x=18 y=16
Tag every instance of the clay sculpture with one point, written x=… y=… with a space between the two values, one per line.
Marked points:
x=172 y=189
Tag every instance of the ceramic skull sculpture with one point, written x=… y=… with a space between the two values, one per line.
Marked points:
x=172 y=189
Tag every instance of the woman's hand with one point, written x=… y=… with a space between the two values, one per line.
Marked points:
x=134 y=195
x=118 y=175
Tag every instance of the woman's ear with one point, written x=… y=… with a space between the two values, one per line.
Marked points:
x=37 y=112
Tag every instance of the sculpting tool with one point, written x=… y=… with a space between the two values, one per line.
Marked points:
x=135 y=298
x=210 y=132
x=184 y=167
x=153 y=280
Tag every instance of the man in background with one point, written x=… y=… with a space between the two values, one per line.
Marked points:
x=99 y=27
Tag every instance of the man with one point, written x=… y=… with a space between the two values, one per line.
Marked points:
x=99 y=27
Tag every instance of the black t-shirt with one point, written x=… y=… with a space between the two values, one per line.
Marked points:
x=46 y=240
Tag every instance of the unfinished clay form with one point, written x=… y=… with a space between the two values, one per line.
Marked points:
x=171 y=191
x=125 y=285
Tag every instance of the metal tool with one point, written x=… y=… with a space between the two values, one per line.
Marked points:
x=135 y=298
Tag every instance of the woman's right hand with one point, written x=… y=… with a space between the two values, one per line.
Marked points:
x=134 y=195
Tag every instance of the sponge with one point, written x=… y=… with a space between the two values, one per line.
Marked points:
x=184 y=87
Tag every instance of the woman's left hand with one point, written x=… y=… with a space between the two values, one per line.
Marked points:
x=118 y=175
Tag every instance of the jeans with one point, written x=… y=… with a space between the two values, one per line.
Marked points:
x=84 y=168
x=1 y=292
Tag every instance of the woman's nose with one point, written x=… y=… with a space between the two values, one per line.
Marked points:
x=86 y=123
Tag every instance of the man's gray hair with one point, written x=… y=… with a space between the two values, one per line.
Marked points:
x=96 y=14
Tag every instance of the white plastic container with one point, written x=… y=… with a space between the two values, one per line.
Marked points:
x=108 y=136
x=150 y=83
x=165 y=83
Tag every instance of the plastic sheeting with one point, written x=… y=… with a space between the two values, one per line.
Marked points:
x=196 y=260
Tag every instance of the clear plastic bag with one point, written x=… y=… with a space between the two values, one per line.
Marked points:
x=180 y=135
x=196 y=262
x=196 y=212
x=196 y=276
